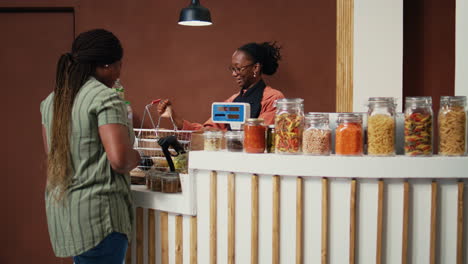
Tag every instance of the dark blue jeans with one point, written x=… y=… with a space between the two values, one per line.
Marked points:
x=111 y=250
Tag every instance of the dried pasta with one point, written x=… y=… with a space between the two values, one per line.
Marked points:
x=418 y=134
x=452 y=131
x=381 y=135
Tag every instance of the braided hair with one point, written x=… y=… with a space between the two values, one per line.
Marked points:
x=90 y=49
x=266 y=53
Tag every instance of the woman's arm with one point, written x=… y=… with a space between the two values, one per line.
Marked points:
x=123 y=158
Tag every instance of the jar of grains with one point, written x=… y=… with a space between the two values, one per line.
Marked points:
x=289 y=123
x=254 y=135
x=418 y=126
x=212 y=140
x=452 y=126
x=348 y=134
x=270 y=147
x=316 y=139
x=381 y=126
x=234 y=141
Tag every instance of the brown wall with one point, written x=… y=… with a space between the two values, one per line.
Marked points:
x=162 y=59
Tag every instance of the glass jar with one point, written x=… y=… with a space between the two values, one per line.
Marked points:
x=316 y=139
x=212 y=140
x=234 y=141
x=170 y=182
x=452 y=126
x=418 y=126
x=381 y=126
x=349 y=132
x=153 y=180
x=271 y=139
x=254 y=135
x=289 y=124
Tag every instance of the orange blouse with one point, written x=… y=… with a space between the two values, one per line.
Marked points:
x=267 y=112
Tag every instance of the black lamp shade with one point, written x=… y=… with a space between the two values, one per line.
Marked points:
x=195 y=15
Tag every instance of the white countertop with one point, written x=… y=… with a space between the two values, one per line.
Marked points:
x=331 y=166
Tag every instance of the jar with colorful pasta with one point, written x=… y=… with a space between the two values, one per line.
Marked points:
x=289 y=123
x=349 y=134
x=316 y=139
x=452 y=126
x=381 y=126
x=418 y=126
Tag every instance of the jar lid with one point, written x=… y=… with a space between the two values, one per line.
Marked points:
x=317 y=117
x=289 y=101
x=427 y=100
x=452 y=99
x=272 y=126
x=213 y=133
x=234 y=134
x=349 y=117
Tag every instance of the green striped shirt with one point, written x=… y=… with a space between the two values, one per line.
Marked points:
x=98 y=201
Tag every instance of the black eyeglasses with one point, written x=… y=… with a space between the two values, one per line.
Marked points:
x=239 y=70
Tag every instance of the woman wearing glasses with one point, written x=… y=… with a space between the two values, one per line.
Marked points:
x=248 y=65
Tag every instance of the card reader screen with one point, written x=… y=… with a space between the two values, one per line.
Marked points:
x=233 y=116
x=227 y=108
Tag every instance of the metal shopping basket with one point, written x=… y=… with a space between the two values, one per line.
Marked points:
x=148 y=142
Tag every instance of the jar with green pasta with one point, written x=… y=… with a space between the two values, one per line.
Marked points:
x=381 y=126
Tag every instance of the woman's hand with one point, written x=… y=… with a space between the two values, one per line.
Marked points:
x=165 y=109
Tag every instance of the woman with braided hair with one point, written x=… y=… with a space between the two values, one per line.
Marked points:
x=248 y=64
x=88 y=141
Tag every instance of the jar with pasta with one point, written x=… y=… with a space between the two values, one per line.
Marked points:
x=213 y=140
x=348 y=134
x=289 y=124
x=452 y=126
x=254 y=136
x=381 y=126
x=418 y=126
x=316 y=139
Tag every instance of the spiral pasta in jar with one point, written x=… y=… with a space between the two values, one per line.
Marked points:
x=289 y=123
x=418 y=126
x=381 y=126
x=348 y=135
x=452 y=126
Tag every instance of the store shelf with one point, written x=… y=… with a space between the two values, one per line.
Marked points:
x=178 y=203
x=331 y=166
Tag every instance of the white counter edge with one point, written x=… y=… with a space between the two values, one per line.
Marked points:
x=331 y=166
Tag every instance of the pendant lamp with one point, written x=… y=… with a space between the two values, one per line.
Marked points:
x=195 y=15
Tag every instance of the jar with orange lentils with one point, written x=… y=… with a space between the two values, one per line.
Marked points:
x=349 y=135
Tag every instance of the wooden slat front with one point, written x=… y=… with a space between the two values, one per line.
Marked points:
x=151 y=237
x=352 y=223
x=179 y=242
x=380 y=222
x=299 y=220
x=128 y=255
x=433 y=253
x=254 y=230
x=163 y=225
x=324 y=221
x=139 y=235
x=213 y=216
x=193 y=240
x=276 y=220
x=344 y=55
x=404 y=242
x=461 y=193
x=231 y=218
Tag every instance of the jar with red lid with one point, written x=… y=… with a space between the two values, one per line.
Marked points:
x=254 y=135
